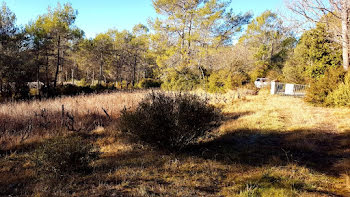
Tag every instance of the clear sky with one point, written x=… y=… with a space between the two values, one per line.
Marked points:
x=96 y=16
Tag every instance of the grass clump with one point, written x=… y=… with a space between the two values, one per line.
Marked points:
x=63 y=156
x=170 y=121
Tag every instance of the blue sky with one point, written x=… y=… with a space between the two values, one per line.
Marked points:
x=96 y=16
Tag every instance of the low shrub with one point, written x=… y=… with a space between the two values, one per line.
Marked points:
x=69 y=90
x=235 y=80
x=149 y=83
x=82 y=83
x=181 y=81
x=170 y=122
x=63 y=156
x=223 y=80
x=259 y=71
x=86 y=90
x=98 y=88
x=341 y=95
x=216 y=83
x=322 y=87
x=22 y=92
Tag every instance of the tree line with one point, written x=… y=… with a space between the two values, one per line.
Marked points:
x=192 y=44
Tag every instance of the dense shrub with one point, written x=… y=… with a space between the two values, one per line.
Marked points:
x=259 y=71
x=182 y=81
x=170 y=122
x=322 y=87
x=82 y=83
x=69 y=89
x=223 y=80
x=216 y=83
x=62 y=156
x=149 y=83
x=341 y=95
x=86 y=90
x=235 y=80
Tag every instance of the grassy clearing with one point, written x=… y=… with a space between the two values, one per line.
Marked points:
x=266 y=146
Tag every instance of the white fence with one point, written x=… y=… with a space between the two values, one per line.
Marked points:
x=288 y=89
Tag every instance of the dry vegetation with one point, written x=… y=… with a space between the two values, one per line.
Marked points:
x=266 y=146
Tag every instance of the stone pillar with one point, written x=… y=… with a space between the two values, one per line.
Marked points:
x=273 y=87
x=289 y=89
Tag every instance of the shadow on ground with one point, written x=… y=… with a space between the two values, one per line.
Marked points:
x=322 y=151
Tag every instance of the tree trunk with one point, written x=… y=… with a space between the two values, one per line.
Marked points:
x=73 y=76
x=134 y=71
x=345 y=38
x=93 y=77
x=58 y=61
x=38 y=73
x=47 y=70
x=101 y=70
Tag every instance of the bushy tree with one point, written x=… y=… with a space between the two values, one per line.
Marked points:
x=313 y=55
x=190 y=29
x=15 y=69
x=269 y=42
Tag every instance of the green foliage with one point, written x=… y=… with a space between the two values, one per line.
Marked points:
x=259 y=72
x=294 y=72
x=235 y=80
x=186 y=33
x=216 y=83
x=313 y=55
x=170 y=122
x=149 y=83
x=62 y=156
x=82 y=82
x=223 y=80
x=341 y=95
x=269 y=42
x=323 y=87
x=182 y=81
x=275 y=75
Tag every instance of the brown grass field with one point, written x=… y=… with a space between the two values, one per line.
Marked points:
x=266 y=146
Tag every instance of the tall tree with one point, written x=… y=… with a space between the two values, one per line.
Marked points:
x=59 y=23
x=41 y=44
x=269 y=41
x=314 y=54
x=321 y=11
x=189 y=29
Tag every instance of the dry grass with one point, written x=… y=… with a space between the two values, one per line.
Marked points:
x=26 y=122
x=266 y=146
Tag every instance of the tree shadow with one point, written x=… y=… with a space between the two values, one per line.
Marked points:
x=235 y=115
x=319 y=150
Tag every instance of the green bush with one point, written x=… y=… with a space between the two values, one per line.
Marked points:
x=184 y=81
x=170 y=122
x=149 y=83
x=235 y=80
x=341 y=95
x=216 y=82
x=222 y=80
x=82 y=83
x=63 y=156
x=260 y=70
x=322 y=87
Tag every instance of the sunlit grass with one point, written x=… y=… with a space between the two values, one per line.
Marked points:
x=266 y=146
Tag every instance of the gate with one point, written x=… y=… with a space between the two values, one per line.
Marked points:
x=288 y=89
